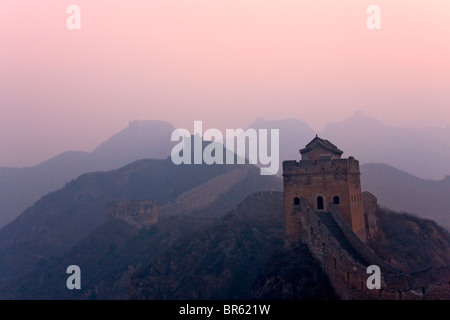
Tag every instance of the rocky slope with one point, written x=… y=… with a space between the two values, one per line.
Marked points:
x=21 y=187
x=61 y=219
x=238 y=256
x=410 y=243
x=401 y=191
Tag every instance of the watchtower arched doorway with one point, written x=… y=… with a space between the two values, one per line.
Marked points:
x=320 y=203
x=296 y=201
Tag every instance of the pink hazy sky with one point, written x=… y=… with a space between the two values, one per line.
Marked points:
x=225 y=62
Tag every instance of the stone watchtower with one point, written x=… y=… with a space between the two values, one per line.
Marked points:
x=323 y=179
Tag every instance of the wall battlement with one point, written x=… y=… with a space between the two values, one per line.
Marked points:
x=325 y=165
x=138 y=213
x=205 y=194
x=323 y=178
x=344 y=258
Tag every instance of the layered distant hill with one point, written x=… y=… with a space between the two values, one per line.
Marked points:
x=62 y=218
x=21 y=187
x=238 y=256
x=423 y=152
x=401 y=191
x=183 y=257
x=294 y=135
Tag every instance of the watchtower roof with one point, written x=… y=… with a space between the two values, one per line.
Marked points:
x=324 y=144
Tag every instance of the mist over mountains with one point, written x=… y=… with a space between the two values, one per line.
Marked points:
x=401 y=191
x=423 y=152
x=394 y=161
x=294 y=135
x=239 y=255
x=21 y=187
x=70 y=224
x=62 y=218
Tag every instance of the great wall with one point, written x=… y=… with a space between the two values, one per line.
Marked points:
x=205 y=194
x=345 y=258
x=138 y=213
x=143 y=213
x=325 y=209
x=335 y=231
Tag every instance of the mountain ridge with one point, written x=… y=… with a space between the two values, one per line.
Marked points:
x=401 y=191
x=62 y=218
x=240 y=255
x=423 y=152
x=21 y=187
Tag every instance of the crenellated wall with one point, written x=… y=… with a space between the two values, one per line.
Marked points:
x=326 y=178
x=321 y=166
x=344 y=258
x=205 y=194
x=138 y=213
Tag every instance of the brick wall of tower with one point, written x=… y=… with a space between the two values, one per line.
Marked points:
x=358 y=224
x=348 y=276
x=327 y=178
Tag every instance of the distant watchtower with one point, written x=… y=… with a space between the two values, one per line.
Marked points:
x=323 y=179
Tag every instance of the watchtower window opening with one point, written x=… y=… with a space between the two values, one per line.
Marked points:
x=336 y=200
x=319 y=203
x=296 y=201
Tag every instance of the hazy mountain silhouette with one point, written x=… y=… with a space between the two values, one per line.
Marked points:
x=62 y=218
x=401 y=191
x=294 y=135
x=181 y=257
x=238 y=256
x=423 y=152
x=148 y=139
x=21 y=187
